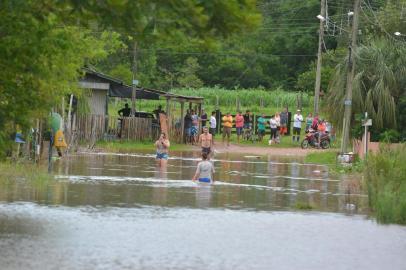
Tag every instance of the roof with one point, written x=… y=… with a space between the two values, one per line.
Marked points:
x=119 y=89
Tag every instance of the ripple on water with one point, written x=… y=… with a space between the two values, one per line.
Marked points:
x=181 y=238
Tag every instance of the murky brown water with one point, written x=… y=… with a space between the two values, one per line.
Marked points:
x=115 y=211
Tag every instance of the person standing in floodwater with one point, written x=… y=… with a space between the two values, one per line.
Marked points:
x=206 y=141
x=204 y=171
x=162 y=146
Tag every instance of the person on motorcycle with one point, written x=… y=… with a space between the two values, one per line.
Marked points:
x=321 y=130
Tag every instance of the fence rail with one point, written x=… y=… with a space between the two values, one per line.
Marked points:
x=97 y=127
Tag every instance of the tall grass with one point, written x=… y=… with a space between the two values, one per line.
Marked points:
x=21 y=171
x=247 y=97
x=256 y=100
x=385 y=176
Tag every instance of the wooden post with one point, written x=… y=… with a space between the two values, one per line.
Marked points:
x=167 y=107
x=69 y=124
x=63 y=115
x=168 y=116
x=134 y=82
x=200 y=115
x=350 y=77
x=182 y=120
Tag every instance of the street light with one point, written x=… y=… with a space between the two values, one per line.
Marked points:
x=350 y=13
x=398 y=34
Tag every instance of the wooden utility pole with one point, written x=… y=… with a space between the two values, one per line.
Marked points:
x=319 y=56
x=350 y=77
x=134 y=82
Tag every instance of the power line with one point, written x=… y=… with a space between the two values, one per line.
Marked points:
x=228 y=54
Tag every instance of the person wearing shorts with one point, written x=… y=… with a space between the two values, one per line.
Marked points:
x=206 y=141
x=204 y=171
x=239 y=123
x=195 y=126
x=162 y=145
x=261 y=127
x=227 y=125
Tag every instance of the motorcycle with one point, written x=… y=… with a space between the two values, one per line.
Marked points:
x=311 y=140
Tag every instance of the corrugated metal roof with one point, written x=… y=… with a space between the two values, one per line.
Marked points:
x=119 y=89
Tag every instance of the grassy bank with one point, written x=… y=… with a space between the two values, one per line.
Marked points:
x=385 y=178
x=30 y=172
x=327 y=158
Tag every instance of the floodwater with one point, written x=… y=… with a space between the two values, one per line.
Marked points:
x=118 y=211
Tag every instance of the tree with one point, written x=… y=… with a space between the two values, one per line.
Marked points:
x=379 y=83
x=41 y=62
x=187 y=77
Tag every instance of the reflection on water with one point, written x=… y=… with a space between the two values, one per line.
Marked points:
x=119 y=211
x=242 y=183
x=150 y=237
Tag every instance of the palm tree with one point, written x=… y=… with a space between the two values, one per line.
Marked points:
x=379 y=83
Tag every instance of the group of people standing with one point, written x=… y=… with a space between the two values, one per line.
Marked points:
x=191 y=125
x=278 y=125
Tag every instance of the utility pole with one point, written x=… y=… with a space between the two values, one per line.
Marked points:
x=350 y=77
x=318 y=71
x=134 y=82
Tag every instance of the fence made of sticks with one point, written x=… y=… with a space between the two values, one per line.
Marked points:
x=98 y=127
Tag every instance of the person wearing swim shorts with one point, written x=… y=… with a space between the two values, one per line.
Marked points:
x=162 y=146
x=204 y=171
x=206 y=141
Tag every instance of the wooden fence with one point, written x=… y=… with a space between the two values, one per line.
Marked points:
x=98 y=127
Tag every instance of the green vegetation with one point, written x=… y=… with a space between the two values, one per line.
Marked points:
x=379 y=86
x=30 y=172
x=385 y=178
x=249 y=99
x=45 y=44
x=324 y=157
x=303 y=206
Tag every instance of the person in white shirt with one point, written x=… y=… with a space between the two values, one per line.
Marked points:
x=297 y=125
x=213 y=125
x=274 y=128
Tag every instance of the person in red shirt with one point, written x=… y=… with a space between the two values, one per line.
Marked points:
x=239 y=123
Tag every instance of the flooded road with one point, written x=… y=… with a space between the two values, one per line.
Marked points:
x=118 y=211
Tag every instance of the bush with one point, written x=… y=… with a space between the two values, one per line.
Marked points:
x=385 y=176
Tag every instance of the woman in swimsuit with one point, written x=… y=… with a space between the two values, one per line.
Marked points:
x=162 y=145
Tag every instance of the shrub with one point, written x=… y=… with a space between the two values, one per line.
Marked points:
x=385 y=176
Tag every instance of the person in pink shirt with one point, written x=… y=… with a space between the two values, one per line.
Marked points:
x=239 y=123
